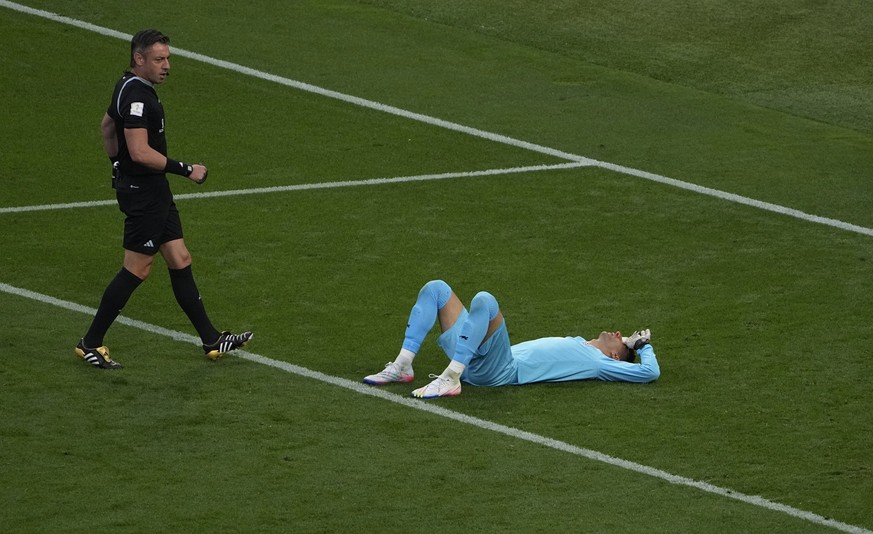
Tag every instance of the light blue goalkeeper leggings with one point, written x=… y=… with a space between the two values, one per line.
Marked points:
x=489 y=363
x=432 y=297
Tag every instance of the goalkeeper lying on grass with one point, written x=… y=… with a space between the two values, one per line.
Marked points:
x=478 y=344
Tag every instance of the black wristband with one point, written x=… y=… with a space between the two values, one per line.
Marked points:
x=113 y=159
x=177 y=167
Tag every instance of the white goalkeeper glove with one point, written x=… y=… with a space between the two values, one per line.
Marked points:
x=638 y=339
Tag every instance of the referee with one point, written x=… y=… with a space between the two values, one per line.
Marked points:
x=134 y=137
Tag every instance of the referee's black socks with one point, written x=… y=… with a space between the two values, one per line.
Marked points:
x=188 y=297
x=114 y=299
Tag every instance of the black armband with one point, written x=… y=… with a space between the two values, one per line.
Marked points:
x=177 y=167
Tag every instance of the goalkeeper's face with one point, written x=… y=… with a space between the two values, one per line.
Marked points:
x=611 y=345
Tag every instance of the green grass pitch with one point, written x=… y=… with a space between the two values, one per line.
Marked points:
x=761 y=320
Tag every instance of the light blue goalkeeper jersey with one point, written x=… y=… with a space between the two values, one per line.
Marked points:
x=560 y=359
x=549 y=359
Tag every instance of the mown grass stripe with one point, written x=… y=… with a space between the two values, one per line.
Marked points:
x=484 y=424
x=248 y=71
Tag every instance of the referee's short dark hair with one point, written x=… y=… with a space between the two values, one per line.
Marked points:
x=143 y=40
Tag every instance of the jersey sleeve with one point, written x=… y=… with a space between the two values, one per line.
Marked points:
x=134 y=106
x=645 y=371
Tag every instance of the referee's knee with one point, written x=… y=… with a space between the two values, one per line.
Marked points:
x=139 y=265
x=139 y=271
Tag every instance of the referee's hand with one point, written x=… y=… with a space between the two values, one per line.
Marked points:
x=198 y=173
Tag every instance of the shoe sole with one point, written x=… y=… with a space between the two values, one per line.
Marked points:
x=453 y=393
x=214 y=354
x=405 y=380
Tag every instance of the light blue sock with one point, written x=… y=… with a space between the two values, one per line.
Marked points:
x=432 y=297
x=483 y=308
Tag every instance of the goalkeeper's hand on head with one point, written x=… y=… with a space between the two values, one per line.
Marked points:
x=638 y=339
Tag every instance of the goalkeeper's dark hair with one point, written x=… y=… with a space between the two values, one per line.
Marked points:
x=143 y=40
x=630 y=357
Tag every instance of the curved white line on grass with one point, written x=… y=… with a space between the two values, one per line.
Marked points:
x=305 y=187
x=425 y=406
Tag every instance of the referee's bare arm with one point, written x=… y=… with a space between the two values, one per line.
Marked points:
x=140 y=152
x=107 y=131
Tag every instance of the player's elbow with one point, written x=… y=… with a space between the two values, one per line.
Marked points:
x=650 y=373
x=107 y=129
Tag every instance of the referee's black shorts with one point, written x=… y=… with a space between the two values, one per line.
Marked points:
x=151 y=218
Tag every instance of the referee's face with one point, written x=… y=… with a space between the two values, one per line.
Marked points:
x=154 y=64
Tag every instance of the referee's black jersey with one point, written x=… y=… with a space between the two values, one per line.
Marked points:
x=135 y=104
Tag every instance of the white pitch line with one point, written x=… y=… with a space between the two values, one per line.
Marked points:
x=306 y=187
x=242 y=69
x=354 y=386
x=484 y=424
x=738 y=199
x=357 y=387
x=498 y=138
